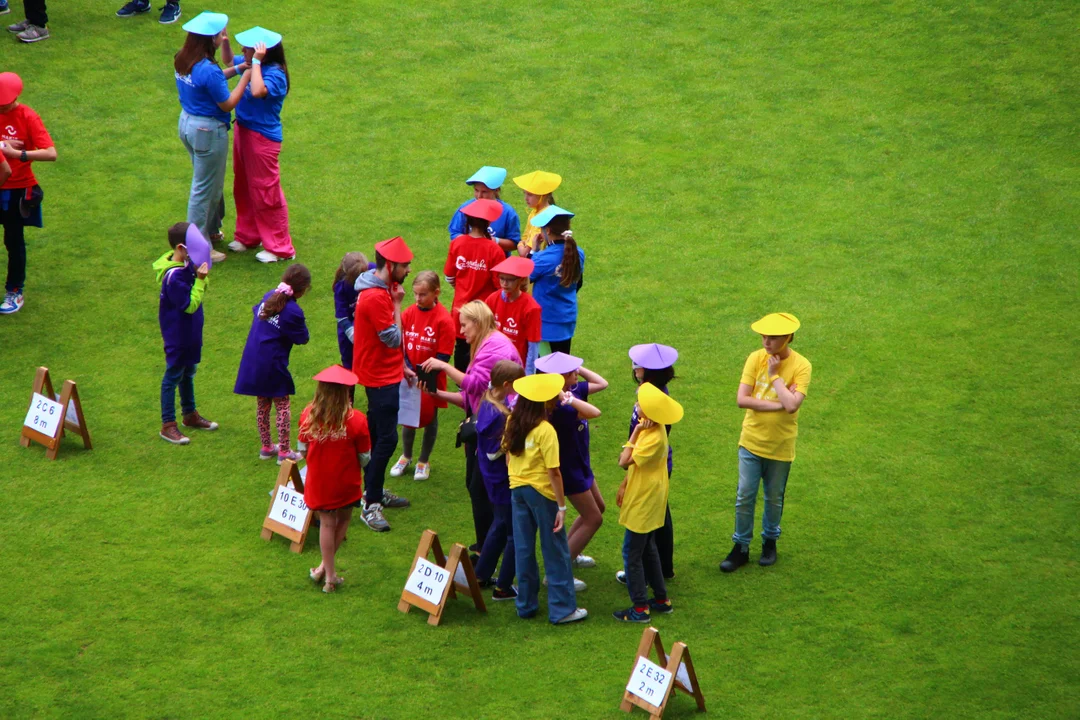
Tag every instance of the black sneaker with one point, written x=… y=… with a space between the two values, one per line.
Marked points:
x=735 y=559
x=632 y=614
x=498 y=594
x=133 y=8
x=768 y=553
x=661 y=607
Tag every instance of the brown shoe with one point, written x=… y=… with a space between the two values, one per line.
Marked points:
x=195 y=420
x=171 y=433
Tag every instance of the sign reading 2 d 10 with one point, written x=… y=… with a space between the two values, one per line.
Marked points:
x=428 y=581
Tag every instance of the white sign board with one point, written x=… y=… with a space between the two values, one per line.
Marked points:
x=44 y=415
x=428 y=581
x=649 y=681
x=683 y=676
x=409 y=404
x=289 y=508
x=459 y=576
x=72 y=416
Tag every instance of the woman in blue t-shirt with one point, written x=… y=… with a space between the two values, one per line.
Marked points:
x=205 y=107
x=262 y=215
x=557 y=277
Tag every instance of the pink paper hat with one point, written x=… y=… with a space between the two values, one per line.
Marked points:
x=653 y=356
x=558 y=363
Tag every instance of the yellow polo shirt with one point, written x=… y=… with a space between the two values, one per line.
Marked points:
x=531 y=466
x=772 y=434
x=645 y=500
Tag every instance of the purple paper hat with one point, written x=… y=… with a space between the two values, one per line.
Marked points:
x=653 y=356
x=197 y=247
x=558 y=363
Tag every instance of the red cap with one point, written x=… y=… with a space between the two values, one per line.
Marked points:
x=394 y=250
x=10 y=87
x=515 y=265
x=338 y=375
x=489 y=210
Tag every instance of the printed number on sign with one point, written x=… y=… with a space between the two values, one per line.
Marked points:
x=428 y=581
x=649 y=681
x=44 y=415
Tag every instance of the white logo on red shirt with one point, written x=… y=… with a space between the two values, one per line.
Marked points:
x=429 y=331
x=10 y=130
x=461 y=263
x=510 y=323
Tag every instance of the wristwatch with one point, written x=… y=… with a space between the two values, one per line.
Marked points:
x=23 y=156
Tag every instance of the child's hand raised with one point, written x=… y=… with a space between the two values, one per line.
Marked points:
x=202 y=271
x=566 y=397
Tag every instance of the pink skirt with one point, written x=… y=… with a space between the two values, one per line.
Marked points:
x=262 y=215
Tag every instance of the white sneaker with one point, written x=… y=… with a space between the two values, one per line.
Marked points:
x=218 y=256
x=237 y=246
x=423 y=471
x=265 y=256
x=577 y=615
x=579 y=585
x=584 y=561
x=400 y=466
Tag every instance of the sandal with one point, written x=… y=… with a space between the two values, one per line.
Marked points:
x=316 y=577
x=329 y=588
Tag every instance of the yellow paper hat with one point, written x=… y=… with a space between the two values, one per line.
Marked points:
x=538 y=182
x=539 y=388
x=776 y=324
x=657 y=406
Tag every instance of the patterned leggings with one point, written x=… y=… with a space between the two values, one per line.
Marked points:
x=284 y=421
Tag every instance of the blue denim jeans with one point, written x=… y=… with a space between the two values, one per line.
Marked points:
x=499 y=541
x=382 y=412
x=532 y=513
x=184 y=377
x=207 y=141
x=773 y=474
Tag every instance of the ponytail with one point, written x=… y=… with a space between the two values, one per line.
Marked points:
x=570 y=273
x=294 y=283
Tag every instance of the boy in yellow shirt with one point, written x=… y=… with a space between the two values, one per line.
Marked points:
x=774 y=383
x=643 y=498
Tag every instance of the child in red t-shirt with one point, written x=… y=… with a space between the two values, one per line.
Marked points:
x=517 y=314
x=469 y=265
x=428 y=331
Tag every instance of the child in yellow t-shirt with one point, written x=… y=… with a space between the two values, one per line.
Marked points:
x=774 y=382
x=537 y=502
x=643 y=498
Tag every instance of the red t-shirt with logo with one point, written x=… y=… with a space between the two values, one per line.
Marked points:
x=24 y=124
x=373 y=362
x=518 y=320
x=427 y=334
x=469 y=262
x=334 y=477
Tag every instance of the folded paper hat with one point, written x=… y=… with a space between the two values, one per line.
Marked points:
x=198 y=249
x=492 y=177
x=538 y=182
x=558 y=363
x=207 y=23
x=543 y=217
x=489 y=210
x=338 y=375
x=10 y=87
x=538 y=388
x=657 y=406
x=776 y=324
x=254 y=36
x=394 y=250
x=653 y=356
x=515 y=265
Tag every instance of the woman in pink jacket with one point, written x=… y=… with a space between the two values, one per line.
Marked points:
x=488 y=346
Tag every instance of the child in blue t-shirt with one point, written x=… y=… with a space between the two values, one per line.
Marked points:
x=557 y=277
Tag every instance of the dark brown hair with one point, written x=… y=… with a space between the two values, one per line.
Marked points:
x=298 y=277
x=196 y=47
x=526 y=416
x=559 y=231
x=351 y=266
x=276 y=56
x=660 y=378
x=480 y=224
x=178 y=234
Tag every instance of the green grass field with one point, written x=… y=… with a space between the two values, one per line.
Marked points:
x=903 y=176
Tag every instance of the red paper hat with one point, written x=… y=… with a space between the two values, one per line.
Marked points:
x=338 y=375
x=10 y=87
x=515 y=265
x=394 y=250
x=489 y=210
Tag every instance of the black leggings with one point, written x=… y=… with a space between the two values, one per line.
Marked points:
x=35 y=12
x=482 y=513
x=562 y=346
x=408 y=434
x=15 y=242
x=462 y=355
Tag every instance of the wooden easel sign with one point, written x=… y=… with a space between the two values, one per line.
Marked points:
x=288 y=515
x=51 y=414
x=431 y=583
x=650 y=685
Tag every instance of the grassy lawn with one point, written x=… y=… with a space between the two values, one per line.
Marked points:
x=903 y=176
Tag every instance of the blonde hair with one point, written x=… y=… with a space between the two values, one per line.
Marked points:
x=502 y=372
x=480 y=315
x=429 y=278
x=328 y=412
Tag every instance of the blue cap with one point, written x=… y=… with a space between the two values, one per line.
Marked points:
x=254 y=36
x=545 y=216
x=207 y=23
x=491 y=176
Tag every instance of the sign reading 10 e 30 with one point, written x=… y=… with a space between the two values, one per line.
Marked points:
x=428 y=581
x=289 y=508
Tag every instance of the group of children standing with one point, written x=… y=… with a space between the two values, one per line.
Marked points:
x=531 y=425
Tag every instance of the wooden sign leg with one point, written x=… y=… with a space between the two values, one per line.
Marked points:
x=474 y=584
x=648 y=637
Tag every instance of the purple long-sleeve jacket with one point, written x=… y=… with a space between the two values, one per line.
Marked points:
x=495 y=348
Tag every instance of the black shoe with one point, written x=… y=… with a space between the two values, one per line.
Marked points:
x=768 y=553
x=735 y=559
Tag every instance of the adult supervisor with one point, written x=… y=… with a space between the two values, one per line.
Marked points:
x=205 y=114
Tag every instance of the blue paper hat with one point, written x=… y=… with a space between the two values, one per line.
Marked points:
x=493 y=177
x=545 y=216
x=207 y=23
x=254 y=36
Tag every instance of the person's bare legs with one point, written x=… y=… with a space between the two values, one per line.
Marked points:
x=586 y=524
x=328 y=546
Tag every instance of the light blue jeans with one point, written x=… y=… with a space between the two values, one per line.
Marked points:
x=532 y=512
x=207 y=142
x=773 y=474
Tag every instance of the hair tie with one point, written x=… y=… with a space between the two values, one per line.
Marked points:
x=284 y=289
x=568 y=235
